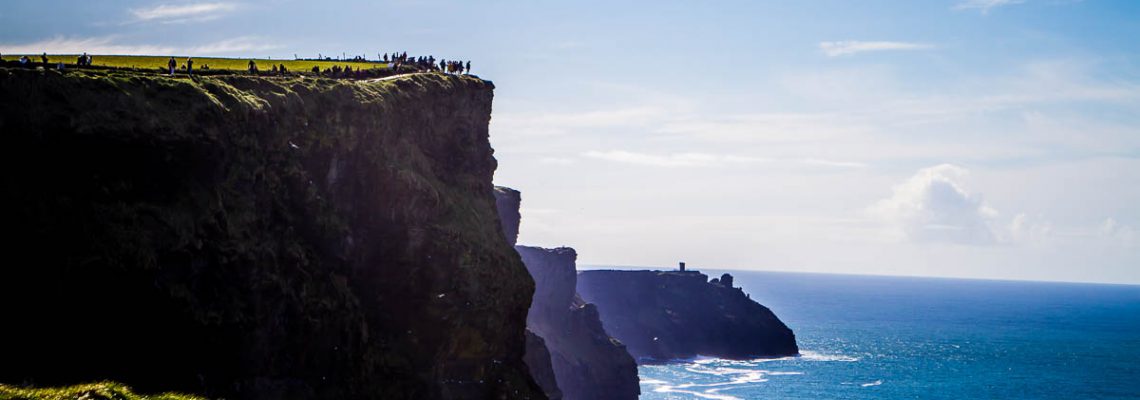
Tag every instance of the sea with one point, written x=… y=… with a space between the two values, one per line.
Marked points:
x=876 y=337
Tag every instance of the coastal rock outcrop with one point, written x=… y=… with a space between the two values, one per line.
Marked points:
x=663 y=315
x=249 y=238
x=587 y=362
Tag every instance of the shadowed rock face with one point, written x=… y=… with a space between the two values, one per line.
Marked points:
x=507 y=202
x=587 y=363
x=670 y=315
x=538 y=360
x=257 y=238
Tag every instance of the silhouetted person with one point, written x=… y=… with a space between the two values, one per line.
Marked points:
x=189 y=67
x=316 y=69
x=469 y=66
x=171 y=64
x=45 y=60
x=252 y=66
x=282 y=69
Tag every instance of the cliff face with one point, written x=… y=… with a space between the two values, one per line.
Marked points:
x=507 y=202
x=587 y=363
x=670 y=315
x=538 y=361
x=257 y=238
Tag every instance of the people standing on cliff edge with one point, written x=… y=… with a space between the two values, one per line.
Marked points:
x=171 y=65
x=45 y=60
x=468 y=67
x=189 y=67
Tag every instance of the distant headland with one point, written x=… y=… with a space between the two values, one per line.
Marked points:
x=665 y=315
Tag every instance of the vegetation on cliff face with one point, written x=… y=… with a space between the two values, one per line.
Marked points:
x=90 y=391
x=257 y=237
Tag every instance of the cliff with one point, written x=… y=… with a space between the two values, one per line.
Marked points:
x=670 y=315
x=247 y=237
x=507 y=203
x=537 y=360
x=587 y=363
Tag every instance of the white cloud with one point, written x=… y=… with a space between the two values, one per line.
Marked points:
x=673 y=160
x=173 y=13
x=95 y=45
x=550 y=124
x=984 y=6
x=849 y=47
x=241 y=44
x=1117 y=233
x=1025 y=229
x=557 y=160
x=934 y=205
x=110 y=45
x=713 y=160
x=833 y=163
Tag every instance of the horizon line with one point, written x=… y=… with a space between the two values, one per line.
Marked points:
x=943 y=277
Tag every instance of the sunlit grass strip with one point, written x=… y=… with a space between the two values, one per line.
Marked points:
x=90 y=391
x=240 y=64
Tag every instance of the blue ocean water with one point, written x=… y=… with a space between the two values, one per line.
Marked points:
x=866 y=337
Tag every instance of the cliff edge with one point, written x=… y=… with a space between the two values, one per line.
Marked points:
x=247 y=237
x=671 y=315
x=587 y=363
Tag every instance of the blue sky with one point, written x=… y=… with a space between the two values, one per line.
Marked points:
x=966 y=138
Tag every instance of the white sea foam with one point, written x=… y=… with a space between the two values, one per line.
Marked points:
x=814 y=356
x=875 y=383
x=712 y=377
x=706 y=395
x=784 y=373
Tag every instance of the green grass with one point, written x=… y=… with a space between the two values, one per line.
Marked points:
x=88 y=391
x=215 y=63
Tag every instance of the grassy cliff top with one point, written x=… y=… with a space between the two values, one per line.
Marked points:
x=89 y=391
x=238 y=64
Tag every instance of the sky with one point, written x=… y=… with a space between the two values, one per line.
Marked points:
x=961 y=138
